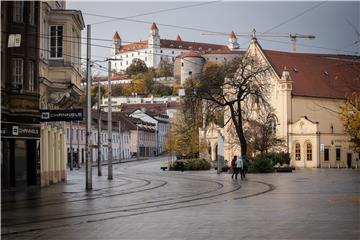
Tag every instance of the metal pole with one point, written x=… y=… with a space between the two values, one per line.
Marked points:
x=88 y=174
x=110 y=156
x=78 y=145
x=71 y=147
x=137 y=141
x=99 y=132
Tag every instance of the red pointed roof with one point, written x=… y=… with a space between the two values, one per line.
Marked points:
x=154 y=27
x=232 y=35
x=116 y=36
x=178 y=38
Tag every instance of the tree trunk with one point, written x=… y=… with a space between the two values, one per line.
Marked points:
x=238 y=123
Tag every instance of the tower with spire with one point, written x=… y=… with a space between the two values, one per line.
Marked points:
x=154 y=37
x=233 y=44
x=116 y=44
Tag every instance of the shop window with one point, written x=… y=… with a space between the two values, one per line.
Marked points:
x=297 y=152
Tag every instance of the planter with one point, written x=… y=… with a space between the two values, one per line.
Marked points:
x=284 y=169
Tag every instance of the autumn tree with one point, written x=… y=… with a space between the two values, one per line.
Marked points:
x=165 y=69
x=239 y=87
x=137 y=66
x=350 y=116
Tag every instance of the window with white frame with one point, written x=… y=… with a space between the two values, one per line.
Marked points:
x=31 y=76
x=297 y=152
x=32 y=12
x=18 y=74
x=18 y=11
x=56 y=41
x=308 y=152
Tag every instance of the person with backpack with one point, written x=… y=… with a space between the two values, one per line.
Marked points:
x=240 y=167
x=233 y=167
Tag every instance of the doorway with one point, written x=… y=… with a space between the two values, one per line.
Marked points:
x=349 y=157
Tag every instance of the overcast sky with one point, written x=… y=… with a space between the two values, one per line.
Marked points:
x=334 y=24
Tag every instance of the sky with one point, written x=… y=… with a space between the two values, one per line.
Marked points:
x=335 y=25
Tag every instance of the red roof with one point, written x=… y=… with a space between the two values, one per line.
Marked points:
x=190 y=54
x=134 y=46
x=114 y=76
x=154 y=27
x=116 y=36
x=154 y=108
x=196 y=46
x=178 y=38
x=232 y=35
x=318 y=75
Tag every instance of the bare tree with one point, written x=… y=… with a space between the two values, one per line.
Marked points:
x=242 y=93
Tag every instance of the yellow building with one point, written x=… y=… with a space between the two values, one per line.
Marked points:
x=60 y=78
x=306 y=92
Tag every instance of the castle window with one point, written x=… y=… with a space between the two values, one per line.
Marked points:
x=56 y=41
x=190 y=73
x=308 y=152
x=182 y=64
x=297 y=152
x=172 y=52
x=161 y=51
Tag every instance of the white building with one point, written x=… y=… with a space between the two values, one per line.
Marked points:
x=154 y=49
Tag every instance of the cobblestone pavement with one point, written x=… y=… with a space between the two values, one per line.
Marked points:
x=143 y=202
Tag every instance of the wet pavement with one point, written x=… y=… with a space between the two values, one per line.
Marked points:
x=144 y=202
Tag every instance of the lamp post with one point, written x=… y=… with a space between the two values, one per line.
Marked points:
x=137 y=141
x=99 y=132
x=110 y=157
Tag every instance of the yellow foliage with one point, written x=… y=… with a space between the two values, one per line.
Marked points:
x=350 y=116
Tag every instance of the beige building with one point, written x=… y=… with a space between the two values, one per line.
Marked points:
x=59 y=81
x=306 y=92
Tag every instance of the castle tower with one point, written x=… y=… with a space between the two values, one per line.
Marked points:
x=233 y=44
x=154 y=37
x=116 y=43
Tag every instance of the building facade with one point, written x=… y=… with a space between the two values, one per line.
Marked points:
x=306 y=93
x=154 y=49
x=20 y=128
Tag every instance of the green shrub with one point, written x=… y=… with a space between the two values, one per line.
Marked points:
x=261 y=164
x=190 y=164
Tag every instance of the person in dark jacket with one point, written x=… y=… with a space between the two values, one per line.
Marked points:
x=233 y=167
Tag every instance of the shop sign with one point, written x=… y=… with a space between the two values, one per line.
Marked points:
x=20 y=130
x=66 y=115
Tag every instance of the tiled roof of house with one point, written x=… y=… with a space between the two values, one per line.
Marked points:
x=114 y=76
x=190 y=54
x=318 y=75
x=153 y=108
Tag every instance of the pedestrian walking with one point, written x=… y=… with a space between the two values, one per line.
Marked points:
x=233 y=167
x=239 y=167
x=246 y=166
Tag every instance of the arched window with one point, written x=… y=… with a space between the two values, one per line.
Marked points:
x=308 y=152
x=297 y=152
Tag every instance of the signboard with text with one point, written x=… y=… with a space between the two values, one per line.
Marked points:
x=66 y=115
x=16 y=130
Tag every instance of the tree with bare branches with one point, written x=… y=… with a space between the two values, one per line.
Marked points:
x=240 y=87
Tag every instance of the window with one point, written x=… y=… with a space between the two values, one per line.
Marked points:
x=172 y=52
x=31 y=76
x=18 y=11
x=82 y=134
x=161 y=51
x=338 y=154
x=326 y=154
x=190 y=73
x=68 y=133
x=182 y=64
x=308 y=152
x=32 y=12
x=297 y=152
x=56 y=41
x=18 y=71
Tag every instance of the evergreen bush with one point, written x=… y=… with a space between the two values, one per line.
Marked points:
x=190 y=164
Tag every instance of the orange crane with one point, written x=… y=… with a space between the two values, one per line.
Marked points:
x=253 y=34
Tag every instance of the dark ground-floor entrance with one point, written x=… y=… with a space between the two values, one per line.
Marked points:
x=19 y=162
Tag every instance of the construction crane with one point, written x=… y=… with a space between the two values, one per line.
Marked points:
x=253 y=34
